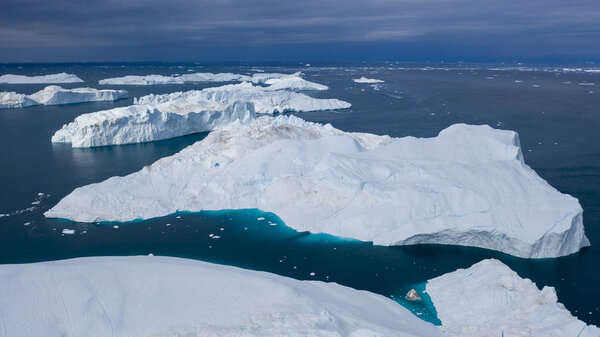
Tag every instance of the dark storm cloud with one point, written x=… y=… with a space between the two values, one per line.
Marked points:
x=504 y=27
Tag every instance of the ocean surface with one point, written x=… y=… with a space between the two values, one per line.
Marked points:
x=555 y=112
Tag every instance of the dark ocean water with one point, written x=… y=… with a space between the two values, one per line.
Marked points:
x=557 y=118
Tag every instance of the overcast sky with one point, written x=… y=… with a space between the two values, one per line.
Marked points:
x=303 y=30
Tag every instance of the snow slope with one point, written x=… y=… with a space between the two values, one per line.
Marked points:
x=467 y=186
x=367 y=80
x=164 y=296
x=141 y=80
x=53 y=78
x=489 y=299
x=55 y=95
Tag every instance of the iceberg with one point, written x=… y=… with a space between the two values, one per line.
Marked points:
x=53 y=78
x=141 y=80
x=144 y=123
x=293 y=83
x=367 y=80
x=489 y=299
x=468 y=186
x=263 y=77
x=166 y=296
x=210 y=77
x=265 y=101
x=55 y=95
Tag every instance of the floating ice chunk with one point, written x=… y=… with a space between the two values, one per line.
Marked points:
x=489 y=299
x=53 y=78
x=165 y=296
x=293 y=83
x=55 y=95
x=467 y=186
x=68 y=231
x=141 y=80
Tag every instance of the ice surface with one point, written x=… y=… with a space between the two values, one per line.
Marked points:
x=367 y=80
x=165 y=296
x=489 y=299
x=55 y=95
x=467 y=186
x=54 y=78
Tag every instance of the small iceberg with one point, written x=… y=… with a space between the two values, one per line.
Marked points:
x=53 y=78
x=55 y=95
x=367 y=80
x=166 y=296
x=468 y=186
x=489 y=299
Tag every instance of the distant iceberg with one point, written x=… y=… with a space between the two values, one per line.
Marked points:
x=55 y=95
x=367 y=80
x=141 y=80
x=210 y=77
x=54 y=78
x=468 y=186
x=263 y=77
x=156 y=117
x=166 y=296
x=489 y=299
x=293 y=83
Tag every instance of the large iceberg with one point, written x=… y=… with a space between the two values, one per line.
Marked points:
x=467 y=186
x=53 y=78
x=367 y=80
x=489 y=299
x=264 y=99
x=293 y=83
x=165 y=296
x=210 y=77
x=141 y=80
x=55 y=95
x=156 y=117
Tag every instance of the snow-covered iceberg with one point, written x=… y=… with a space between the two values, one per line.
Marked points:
x=210 y=77
x=467 y=186
x=264 y=99
x=53 y=78
x=489 y=299
x=263 y=77
x=144 y=123
x=55 y=95
x=293 y=83
x=141 y=80
x=367 y=80
x=165 y=296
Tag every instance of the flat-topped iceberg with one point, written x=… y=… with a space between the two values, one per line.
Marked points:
x=144 y=123
x=165 y=296
x=467 y=186
x=210 y=77
x=264 y=99
x=489 y=299
x=53 y=78
x=55 y=95
x=141 y=80
x=263 y=77
x=367 y=80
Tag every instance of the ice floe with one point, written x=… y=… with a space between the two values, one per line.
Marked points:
x=367 y=80
x=165 y=296
x=53 y=78
x=55 y=95
x=489 y=299
x=467 y=186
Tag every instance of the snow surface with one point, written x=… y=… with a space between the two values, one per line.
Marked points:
x=156 y=117
x=367 y=80
x=165 y=296
x=55 y=95
x=489 y=299
x=141 y=80
x=467 y=186
x=53 y=78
